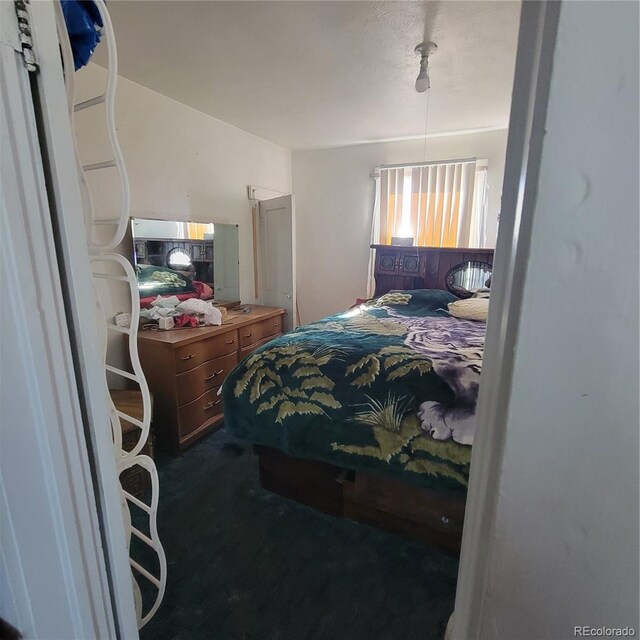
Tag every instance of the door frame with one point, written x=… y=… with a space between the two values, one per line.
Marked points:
x=536 y=45
x=73 y=260
x=53 y=563
x=533 y=67
x=295 y=319
x=89 y=497
x=256 y=194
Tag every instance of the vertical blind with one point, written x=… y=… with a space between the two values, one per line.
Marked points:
x=438 y=204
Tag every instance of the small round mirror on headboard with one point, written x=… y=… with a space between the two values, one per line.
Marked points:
x=467 y=277
x=178 y=259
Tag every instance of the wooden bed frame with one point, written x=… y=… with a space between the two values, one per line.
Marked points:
x=434 y=518
x=405 y=268
x=430 y=517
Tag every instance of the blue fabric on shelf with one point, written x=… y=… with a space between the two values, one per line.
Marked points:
x=83 y=24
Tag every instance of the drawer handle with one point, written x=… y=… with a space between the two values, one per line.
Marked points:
x=213 y=375
x=277 y=324
x=187 y=357
x=248 y=335
x=231 y=341
x=211 y=404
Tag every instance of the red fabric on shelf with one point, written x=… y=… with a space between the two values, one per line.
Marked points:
x=207 y=293
x=199 y=287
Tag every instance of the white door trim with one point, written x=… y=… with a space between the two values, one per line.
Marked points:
x=82 y=313
x=72 y=578
x=52 y=566
x=291 y=320
x=536 y=42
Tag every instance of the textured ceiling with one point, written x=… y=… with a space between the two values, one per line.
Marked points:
x=315 y=74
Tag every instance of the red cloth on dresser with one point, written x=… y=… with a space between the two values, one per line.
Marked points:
x=186 y=321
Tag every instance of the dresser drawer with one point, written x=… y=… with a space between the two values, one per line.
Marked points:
x=193 y=383
x=196 y=413
x=252 y=347
x=254 y=333
x=196 y=353
x=271 y=328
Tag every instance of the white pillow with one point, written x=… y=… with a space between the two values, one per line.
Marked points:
x=470 y=309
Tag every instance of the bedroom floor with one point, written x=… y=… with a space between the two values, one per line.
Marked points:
x=244 y=564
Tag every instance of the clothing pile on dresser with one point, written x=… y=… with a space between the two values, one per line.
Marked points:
x=185 y=313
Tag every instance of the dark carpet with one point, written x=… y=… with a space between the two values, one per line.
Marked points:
x=245 y=564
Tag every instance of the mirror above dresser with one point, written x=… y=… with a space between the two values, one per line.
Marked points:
x=171 y=255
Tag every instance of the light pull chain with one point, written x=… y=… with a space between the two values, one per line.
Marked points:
x=426 y=120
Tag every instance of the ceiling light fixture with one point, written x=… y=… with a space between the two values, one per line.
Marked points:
x=424 y=50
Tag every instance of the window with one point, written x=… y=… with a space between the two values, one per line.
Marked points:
x=438 y=204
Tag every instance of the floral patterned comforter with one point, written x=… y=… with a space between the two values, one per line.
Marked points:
x=388 y=387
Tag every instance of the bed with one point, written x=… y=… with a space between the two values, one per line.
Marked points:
x=368 y=414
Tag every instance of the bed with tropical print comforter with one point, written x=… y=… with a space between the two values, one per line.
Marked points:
x=389 y=387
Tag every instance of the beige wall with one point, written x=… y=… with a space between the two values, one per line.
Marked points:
x=334 y=202
x=182 y=165
x=185 y=165
x=563 y=547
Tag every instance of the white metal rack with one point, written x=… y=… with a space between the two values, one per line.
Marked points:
x=103 y=235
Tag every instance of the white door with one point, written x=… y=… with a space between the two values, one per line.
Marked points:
x=277 y=256
x=57 y=566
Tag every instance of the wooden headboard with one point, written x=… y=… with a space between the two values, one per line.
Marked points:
x=419 y=267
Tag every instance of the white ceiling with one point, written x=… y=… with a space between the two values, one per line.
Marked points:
x=311 y=74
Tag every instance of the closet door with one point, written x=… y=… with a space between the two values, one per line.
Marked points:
x=277 y=251
x=54 y=565
x=83 y=266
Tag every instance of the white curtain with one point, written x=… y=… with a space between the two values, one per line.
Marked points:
x=478 y=233
x=441 y=204
x=445 y=205
x=375 y=236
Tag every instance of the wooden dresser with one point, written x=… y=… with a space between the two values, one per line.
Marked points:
x=185 y=368
x=419 y=267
